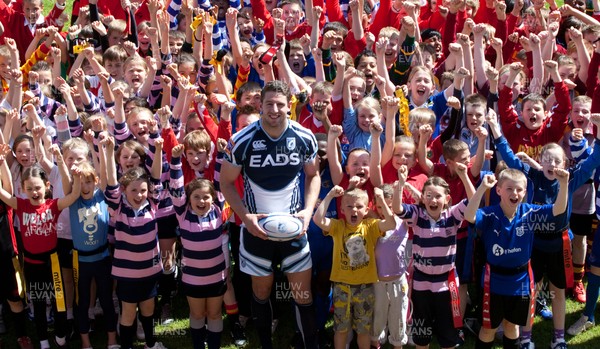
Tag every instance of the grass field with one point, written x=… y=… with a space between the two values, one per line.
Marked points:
x=176 y=335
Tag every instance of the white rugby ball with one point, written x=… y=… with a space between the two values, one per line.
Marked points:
x=281 y=226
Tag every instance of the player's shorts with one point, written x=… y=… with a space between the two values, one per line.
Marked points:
x=258 y=256
x=432 y=315
x=514 y=309
x=167 y=227
x=461 y=251
x=204 y=291
x=581 y=224
x=135 y=291
x=353 y=307
x=8 y=286
x=64 y=249
x=551 y=264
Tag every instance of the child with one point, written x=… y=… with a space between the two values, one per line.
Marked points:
x=354 y=269
x=391 y=291
x=537 y=128
x=507 y=233
x=435 y=294
x=358 y=120
x=134 y=209
x=551 y=250
x=91 y=259
x=38 y=217
x=201 y=226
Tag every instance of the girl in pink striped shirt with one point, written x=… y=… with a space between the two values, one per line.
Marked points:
x=204 y=266
x=132 y=202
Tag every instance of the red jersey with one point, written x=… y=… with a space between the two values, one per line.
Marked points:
x=38 y=226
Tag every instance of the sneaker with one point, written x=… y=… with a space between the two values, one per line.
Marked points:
x=581 y=325
x=274 y=324
x=139 y=332
x=157 y=345
x=238 y=335
x=166 y=316
x=25 y=343
x=541 y=308
x=114 y=346
x=64 y=346
x=558 y=345
x=527 y=345
x=461 y=337
x=472 y=325
x=579 y=292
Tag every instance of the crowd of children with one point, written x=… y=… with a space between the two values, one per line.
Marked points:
x=449 y=150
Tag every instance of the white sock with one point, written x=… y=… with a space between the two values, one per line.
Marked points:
x=45 y=344
x=61 y=340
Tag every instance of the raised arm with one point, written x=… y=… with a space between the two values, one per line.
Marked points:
x=319 y=218
x=488 y=182
x=75 y=193
x=560 y=205
x=375 y=161
x=398 y=189
x=425 y=132
x=335 y=166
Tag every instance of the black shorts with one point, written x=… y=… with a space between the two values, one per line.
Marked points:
x=551 y=264
x=204 y=291
x=167 y=227
x=461 y=251
x=432 y=315
x=64 y=249
x=136 y=291
x=258 y=256
x=514 y=309
x=581 y=224
x=8 y=286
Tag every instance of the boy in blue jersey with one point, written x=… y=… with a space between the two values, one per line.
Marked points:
x=507 y=232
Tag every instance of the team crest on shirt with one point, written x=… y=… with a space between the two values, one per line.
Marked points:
x=290 y=143
x=520 y=231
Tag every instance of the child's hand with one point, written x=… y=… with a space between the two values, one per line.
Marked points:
x=524 y=41
x=496 y=44
x=577 y=134
x=402 y=175
x=226 y=109
x=425 y=132
x=376 y=130
x=353 y=182
x=481 y=133
x=5 y=149
x=55 y=150
x=231 y=17
x=409 y=8
x=453 y=102
x=461 y=169
x=339 y=60
x=11 y=43
x=551 y=66
x=370 y=40
x=328 y=40
x=152 y=126
x=221 y=145
x=78 y=76
x=33 y=78
x=489 y=181
x=381 y=45
x=118 y=93
x=491 y=118
x=515 y=69
x=100 y=28
x=335 y=131
x=462 y=73
x=108 y=143
x=97 y=125
x=88 y=136
x=562 y=175
x=336 y=191
x=553 y=30
x=408 y=24
x=391 y=105
x=29 y=110
x=501 y=10
x=177 y=150
x=158 y=143
x=489 y=154
x=164 y=114
x=479 y=30
x=131 y=49
x=463 y=40
x=258 y=23
x=514 y=37
x=595 y=119
x=575 y=34
x=534 y=41
x=456 y=49
x=165 y=82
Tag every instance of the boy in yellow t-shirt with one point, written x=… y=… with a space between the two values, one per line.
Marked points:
x=354 y=270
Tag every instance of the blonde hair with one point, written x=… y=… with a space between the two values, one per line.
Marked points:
x=511 y=174
x=389 y=32
x=369 y=103
x=420 y=116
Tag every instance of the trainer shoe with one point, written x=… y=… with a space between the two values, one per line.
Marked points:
x=25 y=343
x=157 y=345
x=166 y=316
x=527 y=345
x=238 y=335
x=579 y=292
x=581 y=325
x=561 y=344
x=541 y=308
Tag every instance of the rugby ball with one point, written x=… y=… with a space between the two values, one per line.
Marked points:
x=281 y=226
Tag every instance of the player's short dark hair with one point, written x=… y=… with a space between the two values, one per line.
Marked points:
x=276 y=86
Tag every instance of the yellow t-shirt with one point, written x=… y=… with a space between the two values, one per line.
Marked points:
x=354 y=251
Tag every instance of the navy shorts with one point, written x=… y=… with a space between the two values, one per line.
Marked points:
x=550 y=264
x=432 y=315
x=136 y=291
x=204 y=291
x=64 y=249
x=514 y=309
